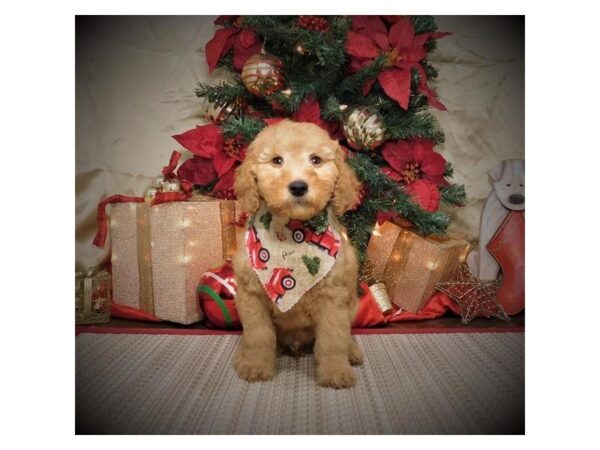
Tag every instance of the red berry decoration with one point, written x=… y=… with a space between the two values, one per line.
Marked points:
x=226 y=194
x=313 y=23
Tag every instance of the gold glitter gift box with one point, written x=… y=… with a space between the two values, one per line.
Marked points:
x=411 y=265
x=159 y=253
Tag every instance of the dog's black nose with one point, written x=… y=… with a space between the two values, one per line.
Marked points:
x=298 y=188
x=516 y=199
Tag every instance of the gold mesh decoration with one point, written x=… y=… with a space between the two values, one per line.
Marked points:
x=262 y=74
x=474 y=296
x=364 y=129
x=92 y=297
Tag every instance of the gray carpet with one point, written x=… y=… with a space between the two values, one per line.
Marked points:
x=409 y=384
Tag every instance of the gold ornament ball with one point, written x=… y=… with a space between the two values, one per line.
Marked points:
x=151 y=191
x=171 y=185
x=158 y=182
x=218 y=112
x=364 y=129
x=263 y=74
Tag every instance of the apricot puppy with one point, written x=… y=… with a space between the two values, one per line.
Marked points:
x=296 y=271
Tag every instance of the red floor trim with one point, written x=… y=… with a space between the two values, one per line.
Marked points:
x=202 y=332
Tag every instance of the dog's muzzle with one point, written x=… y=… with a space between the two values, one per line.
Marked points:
x=298 y=188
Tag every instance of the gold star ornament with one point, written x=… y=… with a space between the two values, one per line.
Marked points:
x=474 y=296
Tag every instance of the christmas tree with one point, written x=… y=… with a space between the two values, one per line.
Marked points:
x=364 y=79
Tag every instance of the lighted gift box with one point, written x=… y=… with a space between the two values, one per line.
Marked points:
x=410 y=265
x=159 y=252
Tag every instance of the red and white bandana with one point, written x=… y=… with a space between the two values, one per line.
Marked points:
x=288 y=257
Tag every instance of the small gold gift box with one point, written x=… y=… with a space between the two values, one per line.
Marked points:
x=92 y=297
x=410 y=265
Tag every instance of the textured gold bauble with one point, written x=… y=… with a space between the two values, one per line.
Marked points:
x=364 y=129
x=263 y=74
x=218 y=112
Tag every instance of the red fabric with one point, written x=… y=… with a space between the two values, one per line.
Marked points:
x=126 y=312
x=194 y=330
x=101 y=234
x=438 y=305
x=368 y=314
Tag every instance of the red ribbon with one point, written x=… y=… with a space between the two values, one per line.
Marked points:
x=166 y=197
x=169 y=171
x=102 y=232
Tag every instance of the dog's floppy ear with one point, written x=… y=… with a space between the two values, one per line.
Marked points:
x=347 y=187
x=245 y=186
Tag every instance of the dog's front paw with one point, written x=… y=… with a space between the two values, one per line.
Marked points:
x=338 y=375
x=253 y=365
x=355 y=355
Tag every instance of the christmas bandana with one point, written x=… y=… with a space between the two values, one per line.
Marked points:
x=290 y=256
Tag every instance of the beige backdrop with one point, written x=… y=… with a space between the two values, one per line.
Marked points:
x=135 y=85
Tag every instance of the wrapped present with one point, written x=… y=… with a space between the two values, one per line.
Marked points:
x=92 y=297
x=216 y=295
x=160 y=249
x=410 y=265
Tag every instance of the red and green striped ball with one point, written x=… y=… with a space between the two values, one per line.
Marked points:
x=216 y=294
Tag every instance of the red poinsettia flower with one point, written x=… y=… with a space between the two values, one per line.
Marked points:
x=197 y=170
x=404 y=50
x=426 y=194
x=414 y=163
x=206 y=141
x=310 y=111
x=243 y=40
x=224 y=187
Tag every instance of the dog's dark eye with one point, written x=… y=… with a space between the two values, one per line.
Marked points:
x=278 y=160
x=508 y=185
x=315 y=160
x=521 y=185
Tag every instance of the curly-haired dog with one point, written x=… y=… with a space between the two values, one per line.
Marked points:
x=295 y=172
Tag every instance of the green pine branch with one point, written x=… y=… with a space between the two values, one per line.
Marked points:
x=247 y=127
x=224 y=92
x=454 y=194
